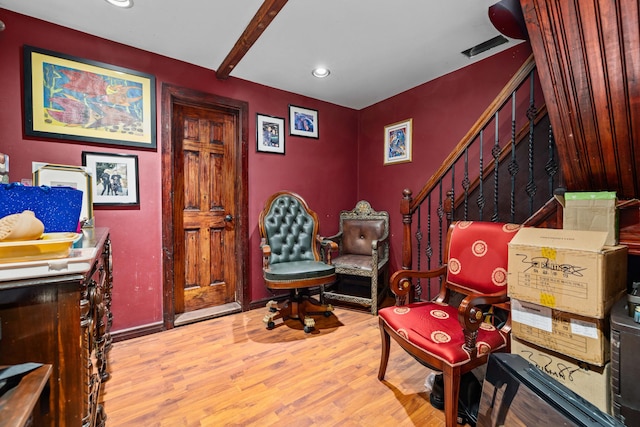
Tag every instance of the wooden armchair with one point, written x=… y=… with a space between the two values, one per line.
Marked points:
x=363 y=251
x=450 y=339
x=291 y=258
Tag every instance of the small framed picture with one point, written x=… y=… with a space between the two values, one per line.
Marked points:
x=115 y=178
x=76 y=177
x=397 y=142
x=4 y=168
x=303 y=122
x=270 y=138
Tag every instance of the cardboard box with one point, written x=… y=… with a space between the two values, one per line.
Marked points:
x=594 y=211
x=580 y=337
x=593 y=383
x=567 y=270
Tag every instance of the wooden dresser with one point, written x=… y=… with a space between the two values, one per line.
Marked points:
x=58 y=312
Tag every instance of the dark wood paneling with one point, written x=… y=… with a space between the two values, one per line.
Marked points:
x=588 y=58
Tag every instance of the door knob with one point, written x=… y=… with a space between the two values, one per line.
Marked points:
x=228 y=218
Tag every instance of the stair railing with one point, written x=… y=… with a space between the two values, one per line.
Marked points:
x=513 y=130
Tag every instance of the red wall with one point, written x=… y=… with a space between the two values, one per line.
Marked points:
x=443 y=111
x=310 y=167
x=344 y=165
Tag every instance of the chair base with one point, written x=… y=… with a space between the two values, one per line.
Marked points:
x=356 y=290
x=298 y=306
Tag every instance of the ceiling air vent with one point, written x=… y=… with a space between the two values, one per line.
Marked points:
x=485 y=46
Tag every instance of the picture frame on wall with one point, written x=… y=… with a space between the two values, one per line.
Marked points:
x=77 y=177
x=4 y=168
x=270 y=134
x=303 y=122
x=398 y=142
x=70 y=98
x=115 y=178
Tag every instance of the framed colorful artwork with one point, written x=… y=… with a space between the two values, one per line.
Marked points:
x=303 y=122
x=270 y=138
x=115 y=178
x=70 y=98
x=397 y=142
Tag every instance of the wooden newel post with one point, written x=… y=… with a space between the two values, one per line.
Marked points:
x=405 y=210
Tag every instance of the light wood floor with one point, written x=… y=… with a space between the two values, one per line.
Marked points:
x=231 y=371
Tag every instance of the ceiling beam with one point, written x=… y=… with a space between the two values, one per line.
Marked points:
x=258 y=24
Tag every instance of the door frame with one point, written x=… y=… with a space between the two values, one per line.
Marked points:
x=175 y=95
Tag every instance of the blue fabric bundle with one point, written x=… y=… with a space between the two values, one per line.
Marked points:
x=57 y=207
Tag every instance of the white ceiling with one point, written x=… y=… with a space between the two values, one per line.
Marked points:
x=374 y=48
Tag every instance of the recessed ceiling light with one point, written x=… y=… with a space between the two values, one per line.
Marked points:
x=121 y=3
x=321 y=72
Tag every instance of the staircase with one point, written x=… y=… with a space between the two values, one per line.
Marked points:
x=504 y=169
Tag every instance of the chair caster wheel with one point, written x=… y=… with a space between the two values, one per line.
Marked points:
x=272 y=306
x=309 y=324
x=271 y=325
x=327 y=313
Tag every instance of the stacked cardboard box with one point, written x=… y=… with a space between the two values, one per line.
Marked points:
x=582 y=338
x=589 y=381
x=594 y=211
x=567 y=270
x=562 y=285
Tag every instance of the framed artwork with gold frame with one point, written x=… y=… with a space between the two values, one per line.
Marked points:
x=70 y=98
x=397 y=142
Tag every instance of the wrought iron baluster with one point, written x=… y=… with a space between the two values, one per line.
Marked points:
x=465 y=185
x=481 y=201
x=418 y=284
x=495 y=152
x=531 y=115
x=419 y=233
x=513 y=164
x=551 y=167
x=452 y=195
x=440 y=212
x=429 y=249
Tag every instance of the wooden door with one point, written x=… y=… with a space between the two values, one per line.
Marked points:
x=203 y=203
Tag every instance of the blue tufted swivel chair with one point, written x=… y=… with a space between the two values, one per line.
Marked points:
x=291 y=258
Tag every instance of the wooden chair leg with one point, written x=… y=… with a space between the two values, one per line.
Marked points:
x=384 y=355
x=451 y=377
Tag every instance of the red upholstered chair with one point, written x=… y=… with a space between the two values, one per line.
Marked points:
x=450 y=339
